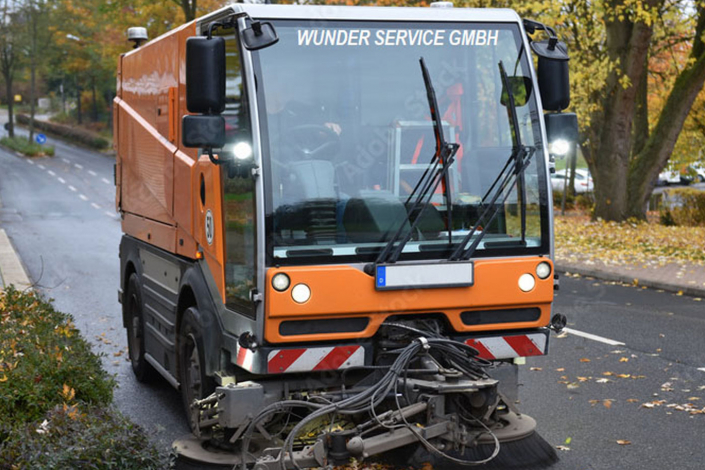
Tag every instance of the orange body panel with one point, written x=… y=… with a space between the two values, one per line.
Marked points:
x=156 y=177
x=345 y=292
x=208 y=175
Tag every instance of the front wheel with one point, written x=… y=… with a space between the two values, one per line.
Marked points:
x=195 y=384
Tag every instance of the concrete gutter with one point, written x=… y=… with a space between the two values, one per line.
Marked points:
x=11 y=270
x=656 y=278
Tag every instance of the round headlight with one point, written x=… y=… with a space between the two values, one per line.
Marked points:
x=527 y=282
x=301 y=293
x=543 y=270
x=280 y=282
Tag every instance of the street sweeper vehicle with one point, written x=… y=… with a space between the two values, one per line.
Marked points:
x=338 y=232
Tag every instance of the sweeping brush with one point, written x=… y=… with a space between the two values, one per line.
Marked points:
x=532 y=452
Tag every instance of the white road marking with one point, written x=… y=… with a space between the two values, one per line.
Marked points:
x=30 y=162
x=72 y=188
x=92 y=173
x=95 y=206
x=51 y=173
x=105 y=180
x=41 y=166
x=110 y=214
x=600 y=339
x=66 y=160
x=83 y=196
x=61 y=180
x=80 y=167
x=702 y=369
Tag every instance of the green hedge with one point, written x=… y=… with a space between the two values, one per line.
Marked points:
x=69 y=133
x=22 y=145
x=55 y=396
x=683 y=206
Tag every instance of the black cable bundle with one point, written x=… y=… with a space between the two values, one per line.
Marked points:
x=457 y=355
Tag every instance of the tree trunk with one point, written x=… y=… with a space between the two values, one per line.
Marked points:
x=641 y=117
x=653 y=158
x=627 y=45
x=10 y=107
x=95 y=103
x=79 y=118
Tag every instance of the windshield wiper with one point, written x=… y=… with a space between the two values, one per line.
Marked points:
x=431 y=178
x=520 y=156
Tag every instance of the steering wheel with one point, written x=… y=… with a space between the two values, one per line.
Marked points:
x=312 y=141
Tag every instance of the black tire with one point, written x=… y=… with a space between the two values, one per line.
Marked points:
x=195 y=384
x=143 y=370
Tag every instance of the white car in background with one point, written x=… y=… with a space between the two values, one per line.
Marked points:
x=583 y=180
x=699 y=168
x=685 y=175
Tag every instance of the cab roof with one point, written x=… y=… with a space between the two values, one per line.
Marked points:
x=335 y=12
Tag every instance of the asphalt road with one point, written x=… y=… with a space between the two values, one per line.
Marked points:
x=587 y=394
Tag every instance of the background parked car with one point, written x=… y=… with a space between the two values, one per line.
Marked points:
x=684 y=175
x=583 y=180
x=699 y=169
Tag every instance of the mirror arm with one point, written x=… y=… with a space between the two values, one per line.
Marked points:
x=215 y=161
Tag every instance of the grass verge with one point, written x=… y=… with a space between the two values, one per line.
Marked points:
x=20 y=144
x=55 y=409
x=632 y=242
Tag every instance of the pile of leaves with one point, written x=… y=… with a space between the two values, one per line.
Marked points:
x=55 y=397
x=632 y=242
x=20 y=144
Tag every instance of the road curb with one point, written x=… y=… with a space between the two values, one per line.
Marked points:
x=11 y=270
x=626 y=279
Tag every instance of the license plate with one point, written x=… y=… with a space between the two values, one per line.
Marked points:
x=424 y=276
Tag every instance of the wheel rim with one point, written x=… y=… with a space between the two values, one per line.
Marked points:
x=135 y=337
x=193 y=370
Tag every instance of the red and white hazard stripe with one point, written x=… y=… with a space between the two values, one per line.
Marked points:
x=310 y=359
x=244 y=358
x=508 y=347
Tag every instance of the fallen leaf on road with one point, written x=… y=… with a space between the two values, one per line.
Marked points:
x=563 y=448
x=584 y=359
x=535 y=368
x=603 y=381
x=607 y=404
x=623 y=442
x=607 y=373
x=572 y=386
x=632 y=400
x=593 y=402
x=582 y=379
x=561 y=369
x=623 y=359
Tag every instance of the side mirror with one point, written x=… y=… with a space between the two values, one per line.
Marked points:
x=521 y=90
x=205 y=75
x=259 y=35
x=203 y=131
x=562 y=132
x=553 y=77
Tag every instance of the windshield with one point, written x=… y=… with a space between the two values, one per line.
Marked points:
x=347 y=134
